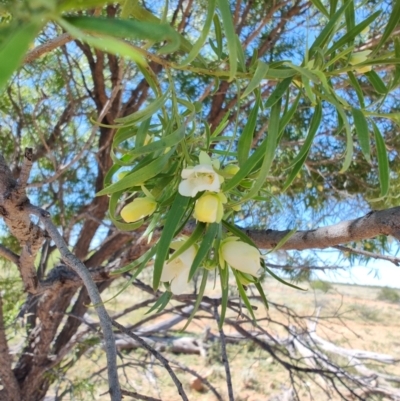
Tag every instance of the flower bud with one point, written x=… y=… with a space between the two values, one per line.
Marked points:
x=359 y=57
x=241 y=256
x=138 y=209
x=231 y=169
x=209 y=208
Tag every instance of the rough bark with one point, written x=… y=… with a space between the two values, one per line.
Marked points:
x=374 y=223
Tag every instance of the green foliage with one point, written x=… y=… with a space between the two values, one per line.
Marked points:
x=389 y=295
x=272 y=145
x=320 y=285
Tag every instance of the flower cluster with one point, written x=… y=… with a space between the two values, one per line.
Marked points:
x=237 y=254
x=203 y=183
x=209 y=207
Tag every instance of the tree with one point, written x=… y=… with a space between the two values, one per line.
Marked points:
x=123 y=120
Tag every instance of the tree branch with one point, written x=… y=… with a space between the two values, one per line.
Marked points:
x=374 y=223
x=82 y=271
x=47 y=47
x=8 y=254
x=157 y=355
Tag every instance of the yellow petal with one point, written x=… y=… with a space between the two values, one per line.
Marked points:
x=138 y=209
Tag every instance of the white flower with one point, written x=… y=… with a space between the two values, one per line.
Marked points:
x=177 y=270
x=199 y=178
x=241 y=256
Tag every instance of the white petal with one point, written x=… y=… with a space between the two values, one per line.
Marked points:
x=171 y=270
x=179 y=284
x=203 y=168
x=187 y=257
x=242 y=256
x=186 y=173
x=186 y=188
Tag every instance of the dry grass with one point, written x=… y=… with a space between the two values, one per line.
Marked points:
x=350 y=316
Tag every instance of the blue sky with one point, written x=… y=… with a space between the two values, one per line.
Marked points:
x=376 y=273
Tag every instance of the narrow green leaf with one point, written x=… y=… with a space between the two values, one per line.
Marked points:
x=137 y=177
x=246 y=138
x=218 y=36
x=318 y=4
x=196 y=234
x=230 y=35
x=262 y=294
x=107 y=44
x=390 y=27
x=376 y=81
x=142 y=260
x=288 y=115
x=326 y=33
x=247 y=167
x=278 y=92
x=67 y=5
x=314 y=125
x=333 y=6
x=161 y=302
x=204 y=248
x=240 y=54
x=132 y=29
x=272 y=141
x=145 y=113
x=161 y=144
x=396 y=77
x=203 y=36
x=224 y=279
x=350 y=16
x=295 y=170
x=256 y=79
x=142 y=132
x=271 y=273
x=357 y=88
x=383 y=161
x=199 y=298
x=172 y=221
x=13 y=48
x=361 y=125
x=280 y=73
x=237 y=232
x=343 y=122
x=348 y=38
x=243 y=295
x=221 y=126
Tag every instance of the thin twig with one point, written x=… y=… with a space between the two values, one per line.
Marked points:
x=83 y=272
x=393 y=259
x=200 y=377
x=224 y=355
x=138 y=396
x=85 y=147
x=157 y=355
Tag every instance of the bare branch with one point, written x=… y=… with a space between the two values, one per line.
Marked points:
x=225 y=359
x=157 y=355
x=47 y=47
x=393 y=259
x=82 y=271
x=374 y=223
x=138 y=396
